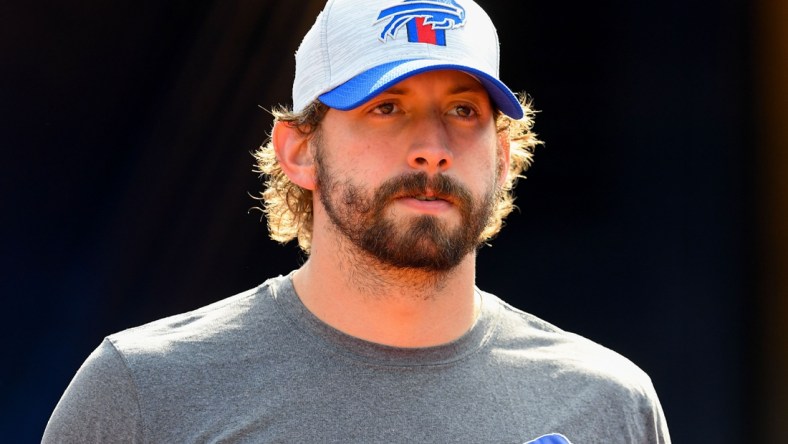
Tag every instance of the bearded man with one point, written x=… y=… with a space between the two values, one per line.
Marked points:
x=394 y=165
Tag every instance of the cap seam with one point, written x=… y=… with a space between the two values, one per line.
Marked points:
x=327 y=74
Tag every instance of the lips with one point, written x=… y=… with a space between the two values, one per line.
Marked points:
x=427 y=197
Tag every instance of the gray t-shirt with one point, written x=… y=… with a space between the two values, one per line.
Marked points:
x=259 y=367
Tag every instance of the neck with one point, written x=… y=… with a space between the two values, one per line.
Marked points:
x=358 y=295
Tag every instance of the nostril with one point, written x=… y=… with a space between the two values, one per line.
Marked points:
x=430 y=159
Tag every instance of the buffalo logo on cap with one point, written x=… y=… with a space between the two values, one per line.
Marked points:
x=425 y=21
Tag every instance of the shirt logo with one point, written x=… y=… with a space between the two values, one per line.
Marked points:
x=552 y=438
x=425 y=21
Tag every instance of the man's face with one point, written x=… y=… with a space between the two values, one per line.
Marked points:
x=410 y=177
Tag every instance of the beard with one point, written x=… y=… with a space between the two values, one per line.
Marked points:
x=422 y=242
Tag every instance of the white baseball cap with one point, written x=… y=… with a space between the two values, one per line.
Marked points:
x=358 y=48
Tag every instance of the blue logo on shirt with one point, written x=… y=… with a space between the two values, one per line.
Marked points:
x=553 y=438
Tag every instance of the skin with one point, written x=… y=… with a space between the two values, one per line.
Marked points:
x=438 y=122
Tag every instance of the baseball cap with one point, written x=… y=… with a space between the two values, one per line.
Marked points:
x=358 y=48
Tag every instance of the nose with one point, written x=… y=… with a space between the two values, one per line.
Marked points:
x=430 y=150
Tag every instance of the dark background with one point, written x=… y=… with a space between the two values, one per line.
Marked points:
x=126 y=177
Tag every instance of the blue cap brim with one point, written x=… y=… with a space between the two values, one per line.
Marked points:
x=363 y=87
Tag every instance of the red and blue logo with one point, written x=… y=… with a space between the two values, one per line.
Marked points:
x=425 y=21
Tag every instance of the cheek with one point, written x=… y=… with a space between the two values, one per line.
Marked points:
x=364 y=152
x=486 y=159
x=374 y=163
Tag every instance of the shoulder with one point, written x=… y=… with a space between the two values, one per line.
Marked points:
x=608 y=393
x=99 y=404
x=566 y=355
x=219 y=321
x=140 y=378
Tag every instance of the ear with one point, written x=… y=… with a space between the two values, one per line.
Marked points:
x=504 y=156
x=293 y=154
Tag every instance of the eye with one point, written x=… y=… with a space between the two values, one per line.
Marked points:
x=464 y=111
x=385 y=108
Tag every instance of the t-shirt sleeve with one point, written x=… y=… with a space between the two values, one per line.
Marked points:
x=660 y=425
x=99 y=405
x=654 y=425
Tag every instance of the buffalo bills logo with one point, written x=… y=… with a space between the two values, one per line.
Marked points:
x=425 y=21
x=552 y=438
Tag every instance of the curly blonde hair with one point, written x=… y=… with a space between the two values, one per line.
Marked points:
x=288 y=207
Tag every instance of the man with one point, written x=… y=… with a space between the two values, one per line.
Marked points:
x=395 y=164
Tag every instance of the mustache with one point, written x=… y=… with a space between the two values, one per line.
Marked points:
x=420 y=183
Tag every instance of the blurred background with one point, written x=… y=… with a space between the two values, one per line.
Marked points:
x=653 y=220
